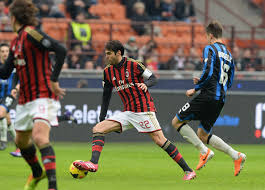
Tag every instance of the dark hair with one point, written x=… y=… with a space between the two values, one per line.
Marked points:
x=215 y=28
x=25 y=12
x=4 y=45
x=115 y=46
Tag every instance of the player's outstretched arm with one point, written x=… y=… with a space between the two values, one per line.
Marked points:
x=107 y=91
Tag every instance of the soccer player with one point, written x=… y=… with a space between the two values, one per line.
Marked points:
x=8 y=94
x=127 y=77
x=39 y=90
x=216 y=78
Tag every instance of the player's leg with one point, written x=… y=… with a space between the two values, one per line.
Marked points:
x=159 y=138
x=10 y=126
x=40 y=135
x=67 y=116
x=28 y=152
x=190 y=111
x=219 y=144
x=3 y=128
x=11 y=129
x=98 y=142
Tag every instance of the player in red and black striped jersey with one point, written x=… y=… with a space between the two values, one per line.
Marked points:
x=127 y=77
x=38 y=103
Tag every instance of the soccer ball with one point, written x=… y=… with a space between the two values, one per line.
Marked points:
x=76 y=173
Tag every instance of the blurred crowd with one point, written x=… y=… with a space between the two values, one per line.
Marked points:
x=82 y=55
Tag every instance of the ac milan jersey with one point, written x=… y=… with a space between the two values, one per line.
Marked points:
x=29 y=54
x=123 y=77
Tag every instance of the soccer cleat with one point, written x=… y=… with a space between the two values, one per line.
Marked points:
x=16 y=153
x=189 y=175
x=204 y=158
x=32 y=182
x=70 y=117
x=3 y=145
x=239 y=163
x=89 y=166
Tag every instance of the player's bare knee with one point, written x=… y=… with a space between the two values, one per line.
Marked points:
x=40 y=140
x=158 y=137
x=176 y=123
x=98 y=128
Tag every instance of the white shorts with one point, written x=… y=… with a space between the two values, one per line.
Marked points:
x=44 y=109
x=144 y=122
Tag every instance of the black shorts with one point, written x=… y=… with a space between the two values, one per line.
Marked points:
x=7 y=102
x=202 y=108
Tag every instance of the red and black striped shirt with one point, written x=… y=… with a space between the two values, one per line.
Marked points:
x=29 y=53
x=124 y=78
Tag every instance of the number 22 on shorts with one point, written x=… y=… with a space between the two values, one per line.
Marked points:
x=145 y=124
x=185 y=107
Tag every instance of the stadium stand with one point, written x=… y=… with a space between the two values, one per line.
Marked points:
x=113 y=24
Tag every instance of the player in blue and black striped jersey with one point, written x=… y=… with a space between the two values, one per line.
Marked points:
x=216 y=79
x=8 y=93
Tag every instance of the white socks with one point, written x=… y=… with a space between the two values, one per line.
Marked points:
x=3 y=130
x=219 y=144
x=188 y=133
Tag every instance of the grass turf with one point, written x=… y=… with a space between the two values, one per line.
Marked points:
x=140 y=166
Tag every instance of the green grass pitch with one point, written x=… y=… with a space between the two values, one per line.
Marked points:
x=140 y=166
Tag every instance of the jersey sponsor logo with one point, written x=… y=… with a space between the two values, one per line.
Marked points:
x=259 y=121
x=20 y=62
x=123 y=86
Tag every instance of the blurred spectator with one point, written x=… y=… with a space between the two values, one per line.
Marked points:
x=153 y=9
x=80 y=31
x=73 y=7
x=251 y=60
x=46 y=9
x=76 y=59
x=140 y=16
x=7 y=3
x=185 y=11
x=167 y=10
x=129 y=6
x=193 y=59
x=131 y=49
x=88 y=51
x=82 y=84
x=246 y=60
x=177 y=61
x=146 y=50
x=237 y=58
x=256 y=59
x=5 y=24
x=152 y=61
x=100 y=62
x=89 y=65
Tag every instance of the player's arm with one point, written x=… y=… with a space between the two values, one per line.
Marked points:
x=208 y=59
x=150 y=78
x=107 y=91
x=7 y=68
x=42 y=40
x=231 y=75
x=15 y=86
